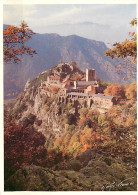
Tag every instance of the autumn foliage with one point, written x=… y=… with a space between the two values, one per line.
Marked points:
x=131 y=91
x=127 y=51
x=107 y=133
x=22 y=146
x=115 y=90
x=14 y=39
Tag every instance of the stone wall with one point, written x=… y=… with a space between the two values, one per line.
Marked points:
x=103 y=103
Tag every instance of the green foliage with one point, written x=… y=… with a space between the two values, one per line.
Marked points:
x=67 y=138
x=75 y=148
x=101 y=120
x=69 y=106
x=69 y=127
x=75 y=137
x=108 y=132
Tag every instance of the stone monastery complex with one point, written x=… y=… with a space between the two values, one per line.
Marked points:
x=84 y=93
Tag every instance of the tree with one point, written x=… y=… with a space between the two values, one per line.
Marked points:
x=22 y=146
x=14 y=39
x=71 y=118
x=126 y=52
x=87 y=122
x=116 y=90
x=131 y=91
x=81 y=121
x=83 y=112
x=102 y=120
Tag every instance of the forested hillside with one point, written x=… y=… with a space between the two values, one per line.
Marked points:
x=74 y=148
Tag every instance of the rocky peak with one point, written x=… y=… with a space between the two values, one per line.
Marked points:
x=64 y=69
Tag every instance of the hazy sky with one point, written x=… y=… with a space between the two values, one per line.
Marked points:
x=102 y=22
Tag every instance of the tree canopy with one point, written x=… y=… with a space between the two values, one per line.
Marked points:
x=126 y=51
x=131 y=91
x=116 y=90
x=14 y=39
x=22 y=146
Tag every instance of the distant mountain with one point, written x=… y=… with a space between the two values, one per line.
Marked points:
x=51 y=49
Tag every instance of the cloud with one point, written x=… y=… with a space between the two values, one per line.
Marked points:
x=63 y=15
x=100 y=22
x=14 y=14
x=66 y=13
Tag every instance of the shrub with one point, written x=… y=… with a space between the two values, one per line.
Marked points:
x=93 y=115
x=101 y=120
x=46 y=107
x=69 y=127
x=87 y=122
x=83 y=112
x=19 y=108
x=20 y=96
x=71 y=118
x=29 y=120
x=81 y=121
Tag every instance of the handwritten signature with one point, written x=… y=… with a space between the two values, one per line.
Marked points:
x=124 y=183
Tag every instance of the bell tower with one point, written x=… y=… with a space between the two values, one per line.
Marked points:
x=90 y=74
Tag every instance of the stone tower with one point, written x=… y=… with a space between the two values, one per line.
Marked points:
x=90 y=74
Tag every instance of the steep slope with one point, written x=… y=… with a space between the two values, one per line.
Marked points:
x=99 y=173
x=34 y=106
x=98 y=155
x=51 y=49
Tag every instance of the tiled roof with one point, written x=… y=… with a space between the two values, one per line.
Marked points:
x=86 y=82
x=83 y=79
x=54 y=77
x=110 y=97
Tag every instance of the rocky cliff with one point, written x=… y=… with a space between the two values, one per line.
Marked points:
x=34 y=105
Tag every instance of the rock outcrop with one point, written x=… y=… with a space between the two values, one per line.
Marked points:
x=35 y=100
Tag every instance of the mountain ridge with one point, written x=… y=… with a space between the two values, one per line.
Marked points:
x=51 y=49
